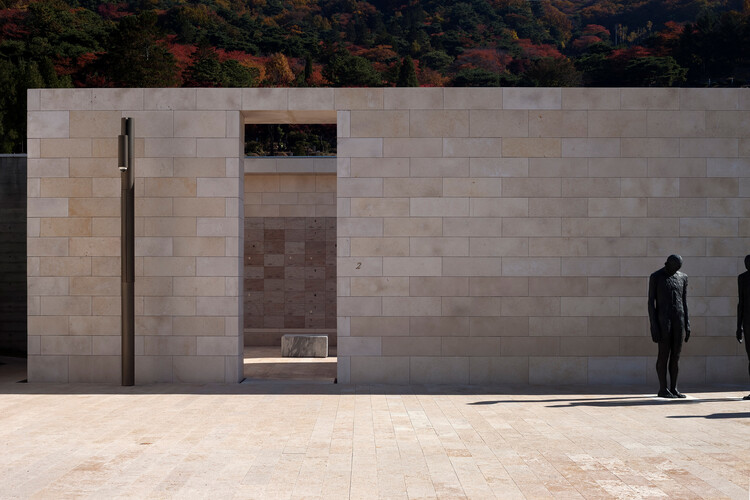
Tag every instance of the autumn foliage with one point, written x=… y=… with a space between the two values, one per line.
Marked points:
x=121 y=43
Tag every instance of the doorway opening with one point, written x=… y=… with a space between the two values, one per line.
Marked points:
x=289 y=243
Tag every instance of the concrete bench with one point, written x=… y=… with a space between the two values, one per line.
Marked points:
x=304 y=346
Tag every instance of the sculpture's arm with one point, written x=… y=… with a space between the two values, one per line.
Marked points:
x=685 y=305
x=652 y=314
x=740 y=306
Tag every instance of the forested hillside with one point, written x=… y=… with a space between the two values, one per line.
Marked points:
x=231 y=43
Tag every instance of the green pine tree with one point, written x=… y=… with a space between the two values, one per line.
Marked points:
x=407 y=75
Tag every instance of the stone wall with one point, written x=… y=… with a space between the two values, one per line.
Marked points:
x=188 y=234
x=12 y=255
x=507 y=235
x=484 y=235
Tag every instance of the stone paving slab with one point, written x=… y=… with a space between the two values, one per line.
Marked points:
x=295 y=440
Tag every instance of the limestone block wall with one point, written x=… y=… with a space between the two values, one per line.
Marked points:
x=189 y=212
x=483 y=235
x=507 y=235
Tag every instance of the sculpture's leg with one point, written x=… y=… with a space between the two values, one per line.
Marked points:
x=747 y=350
x=674 y=360
x=661 y=366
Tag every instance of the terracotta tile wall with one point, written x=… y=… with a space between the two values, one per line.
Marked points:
x=290 y=272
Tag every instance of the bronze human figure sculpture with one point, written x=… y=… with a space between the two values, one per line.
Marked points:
x=743 y=309
x=668 y=314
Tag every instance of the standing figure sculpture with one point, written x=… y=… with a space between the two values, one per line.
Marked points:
x=743 y=309
x=668 y=314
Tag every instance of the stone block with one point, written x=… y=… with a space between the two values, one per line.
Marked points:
x=422 y=187
x=311 y=99
x=66 y=148
x=532 y=226
x=708 y=147
x=590 y=98
x=350 y=346
x=470 y=306
x=498 y=247
x=676 y=124
x=727 y=123
x=199 y=123
x=499 y=370
x=379 y=124
x=48 y=124
x=557 y=123
x=306 y=346
x=500 y=206
x=545 y=370
x=380 y=286
x=499 y=123
x=617 y=207
x=219 y=99
x=355 y=98
x=618 y=167
x=439 y=370
x=650 y=98
x=565 y=207
x=65 y=99
x=618 y=370
x=412 y=147
x=591 y=148
x=469 y=226
x=418 y=98
x=473 y=98
x=617 y=247
x=471 y=148
x=532 y=98
x=496 y=167
x=380 y=167
x=265 y=99
x=411 y=226
x=117 y=99
x=709 y=99
x=442 y=246
x=472 y=266
x=494 y=286
x=439 y=207
x=380 y=207
x=198 y=369
x=530 y=306
x=412 y=266
x=170 y=147
x=439 y=123
x=379 y=370
x=361 y=148
x=47 y=369
x=542 y=147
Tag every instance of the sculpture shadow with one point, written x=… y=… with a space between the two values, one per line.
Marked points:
x=715 y=416
x=640 y=402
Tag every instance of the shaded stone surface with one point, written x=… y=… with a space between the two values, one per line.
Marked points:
x=304 y=346
x=13 y=255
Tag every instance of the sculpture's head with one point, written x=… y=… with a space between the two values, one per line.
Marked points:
x=747 y=262
x=673 y=264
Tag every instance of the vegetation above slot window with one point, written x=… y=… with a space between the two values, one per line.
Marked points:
x=290 y=140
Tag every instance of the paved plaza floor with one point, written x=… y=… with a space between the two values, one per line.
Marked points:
x=318 y=440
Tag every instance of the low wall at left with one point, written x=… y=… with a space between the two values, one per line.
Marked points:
x=12 y=255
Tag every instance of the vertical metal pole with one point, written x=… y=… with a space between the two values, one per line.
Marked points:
x=127 y=252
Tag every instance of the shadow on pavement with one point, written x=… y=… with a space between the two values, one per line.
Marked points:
x=714 y=416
